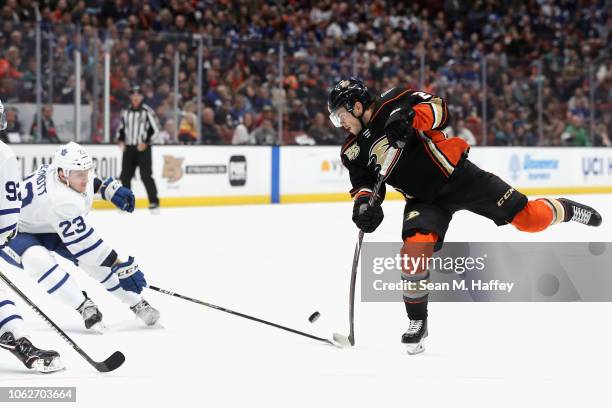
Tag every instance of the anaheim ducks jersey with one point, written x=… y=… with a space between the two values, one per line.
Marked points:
x=426 y=161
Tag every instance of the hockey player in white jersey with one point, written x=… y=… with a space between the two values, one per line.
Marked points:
x=55 y=202
x=12 y=331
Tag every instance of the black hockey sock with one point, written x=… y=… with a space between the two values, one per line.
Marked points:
x=417 y=311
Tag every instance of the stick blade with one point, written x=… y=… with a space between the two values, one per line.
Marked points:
x=341 y=340
x=112 y=363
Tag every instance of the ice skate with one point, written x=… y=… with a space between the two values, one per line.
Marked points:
x=414 y=337
x=580 y=213
x=154 y=208
x=145 y=312
x=92 y=317
x=43 y=361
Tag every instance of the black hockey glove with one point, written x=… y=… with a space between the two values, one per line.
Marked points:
x=398 y=127
x=367 y=218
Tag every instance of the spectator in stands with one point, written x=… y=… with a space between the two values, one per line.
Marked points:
x=322 y=133
x=149 y=94
x=575 y=134
x=601 y=136
x=188 y=131
x=239 y=109
x=380 y=41
x=501 y=129
x=13 y=125
x=210 y=130
x=267 y=113
x=49 y=132
x=553 y=129
x=265 y=134
x=298 y=116
x=9 y=65
x=166 y=136
x=66 y=94
x=243 y=134
x=465 y=133
x=578 y=105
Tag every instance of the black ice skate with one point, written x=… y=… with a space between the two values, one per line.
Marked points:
x=580 y=213
x=154 y=208
x=43 y=361
x=147 y=313
x=415 y=336
x=92 y=317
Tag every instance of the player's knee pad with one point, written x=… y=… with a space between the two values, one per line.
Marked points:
x=536 y=216
x=415 y=254
x=43 y=267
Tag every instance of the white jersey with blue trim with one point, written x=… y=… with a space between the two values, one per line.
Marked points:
x=9 y=186
x=50 y=206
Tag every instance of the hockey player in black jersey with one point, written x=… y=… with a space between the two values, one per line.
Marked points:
x=435 y=177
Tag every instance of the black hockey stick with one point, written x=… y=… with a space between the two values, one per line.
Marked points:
x=223 y=309
x=110 y=364
x=341 y=339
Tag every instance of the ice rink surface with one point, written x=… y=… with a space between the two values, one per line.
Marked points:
x=283 y=262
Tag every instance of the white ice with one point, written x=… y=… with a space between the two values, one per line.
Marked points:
x=283 y=262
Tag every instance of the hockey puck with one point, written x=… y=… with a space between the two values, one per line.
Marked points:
x=313 y=317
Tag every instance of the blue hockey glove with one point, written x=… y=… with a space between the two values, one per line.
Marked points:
x=123 y=198
x=130 y=276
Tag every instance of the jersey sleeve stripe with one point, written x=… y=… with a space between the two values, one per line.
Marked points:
x=87 y=250
x=108 y=277
x=42 y=278
x=115 y=288
x=430 y=115
x=10 y=227
x=7 y=302
x=444 y=114
x=59 y=284
x=8 y=319
x=434 y=118
x=440 y=156
x=438 y=113
x=10 y=211
x=446 y=174
x=91 y=230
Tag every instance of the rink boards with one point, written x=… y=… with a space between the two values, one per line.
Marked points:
x=227 y=175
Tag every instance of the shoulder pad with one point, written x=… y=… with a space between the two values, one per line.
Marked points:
x=67 y=203
x=391 y=93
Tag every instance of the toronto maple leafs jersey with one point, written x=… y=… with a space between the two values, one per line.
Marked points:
x=9 y=186
x=50 y=206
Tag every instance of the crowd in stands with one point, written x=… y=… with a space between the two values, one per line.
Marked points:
x=546 y=63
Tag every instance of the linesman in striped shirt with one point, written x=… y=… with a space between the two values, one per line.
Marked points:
x=137 y=129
